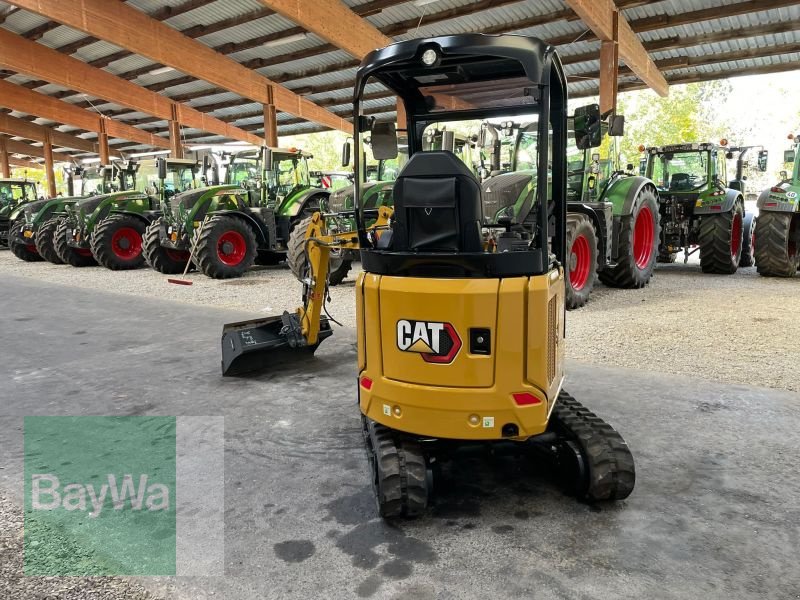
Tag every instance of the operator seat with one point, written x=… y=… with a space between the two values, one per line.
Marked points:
x=680 y=181
x=437 y=206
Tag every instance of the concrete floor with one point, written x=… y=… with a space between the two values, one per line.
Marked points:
x=715 y=514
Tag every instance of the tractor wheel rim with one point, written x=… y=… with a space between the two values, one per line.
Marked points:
x=231 y=248
x=580 y=263
x=643 y=236
x=83 y=252
x=126 y=243
x=32 y=248
x=736 y=236
x=177 y=255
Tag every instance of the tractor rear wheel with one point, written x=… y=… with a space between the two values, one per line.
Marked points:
x=338 y=267
x=778 y=237
x=21 y=250
x=77 y=257
x=227 y=247
x=117 y=242
x=45 y=241
x=638 y=244
x=748 y=241
x=164 y=260
x=582 y=260
x=720 y=241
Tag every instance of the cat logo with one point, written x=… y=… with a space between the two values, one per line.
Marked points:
x=436 y=342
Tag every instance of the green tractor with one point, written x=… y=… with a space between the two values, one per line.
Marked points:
x=778 y=225
x=612 y=218
x=699 y=210
x=107 y=228
x=33 y=232
x=15 y=194
x=247 y=220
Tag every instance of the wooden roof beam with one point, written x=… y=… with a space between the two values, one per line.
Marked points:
x=123 y=25
x=603 y=18
x=31 y=131
x=37 y=60
x=14 y=147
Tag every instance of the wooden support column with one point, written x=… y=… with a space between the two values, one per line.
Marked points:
x=5 y=170
x=102 y=142
x=49 y=171
x=270 y=120
x=402 y=120
x=609 y=69
x=176 y=148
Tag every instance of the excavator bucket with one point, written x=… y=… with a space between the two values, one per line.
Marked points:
x=263 y=344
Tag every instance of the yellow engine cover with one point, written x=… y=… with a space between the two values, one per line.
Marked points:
x=460 y=358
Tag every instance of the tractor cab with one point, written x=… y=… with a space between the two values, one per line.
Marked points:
x=15 y=194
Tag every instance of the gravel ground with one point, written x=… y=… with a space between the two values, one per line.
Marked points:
x=733 y=329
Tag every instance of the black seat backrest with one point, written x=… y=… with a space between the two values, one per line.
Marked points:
x=680 y=181
x=437 y=206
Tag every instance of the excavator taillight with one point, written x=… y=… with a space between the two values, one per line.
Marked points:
x=525 y=399
x=366 y=383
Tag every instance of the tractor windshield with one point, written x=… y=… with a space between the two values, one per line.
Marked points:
x=244 y=170
x=680 y=171
x=12 y=192
x=93 y=182
x=288 y=172
x=181 y=177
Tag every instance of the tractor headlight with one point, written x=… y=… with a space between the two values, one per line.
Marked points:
x=429 y=57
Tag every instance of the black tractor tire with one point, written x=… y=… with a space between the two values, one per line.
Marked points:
x=227 y=247
x=76 y=257
x=117 y=242
x=45 y=241
x=748 y=241
x=164 y=260
x=581 y=260
x=338 y=267
x=637 y=251
x=720 y=241
x=26 y=252
x=778 y=244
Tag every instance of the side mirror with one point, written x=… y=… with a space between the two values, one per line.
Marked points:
x=616 y=126
x=346 y=154
x=384 y=141
x=266 y=157
x=161 y=164
x=629 y=167
x=587 y=127
x=762 y=160
x=206 y=164
x=784 y=175
x=449 y=141
x=788 y=156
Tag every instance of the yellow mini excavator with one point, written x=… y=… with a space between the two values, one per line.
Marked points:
x=460 y=321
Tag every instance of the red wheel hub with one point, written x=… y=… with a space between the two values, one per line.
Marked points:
x=736 y=235
x=231 y=248
x=31 y=248
x=83 y=252
x=580 y=263
x=126 y=243
x=644 y=233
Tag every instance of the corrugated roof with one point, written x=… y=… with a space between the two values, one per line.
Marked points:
x=331 y=71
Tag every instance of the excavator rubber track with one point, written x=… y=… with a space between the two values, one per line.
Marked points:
x=591 y=453
x=399 y=471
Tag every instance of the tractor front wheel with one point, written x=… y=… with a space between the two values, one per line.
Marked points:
x=21 y=250
x=338 y=267
x=748 y=241
x=164 y=260
x=778 y=237
x=227 y=247
x=638 y=244
x=77 y=257
x=117 y=242
x=581 y=258
x=720 y=241
x=45 y=242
